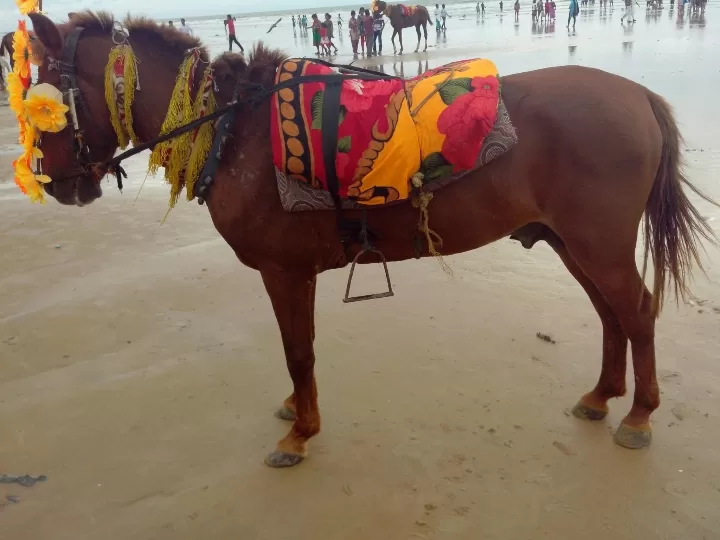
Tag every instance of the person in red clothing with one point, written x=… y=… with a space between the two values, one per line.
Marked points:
x=230 y=31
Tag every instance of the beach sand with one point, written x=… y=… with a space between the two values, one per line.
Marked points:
x=141 y=364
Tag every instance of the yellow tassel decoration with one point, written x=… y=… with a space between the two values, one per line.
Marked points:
x=203 y=136
x=184 y=156
x=121 y=65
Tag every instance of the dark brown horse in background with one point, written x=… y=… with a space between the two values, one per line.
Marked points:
x=6 y=44
x=587 y=201
x=398 y=21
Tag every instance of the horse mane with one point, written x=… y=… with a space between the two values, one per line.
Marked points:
x=102 y=22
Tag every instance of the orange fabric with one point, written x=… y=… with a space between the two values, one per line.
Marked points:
x=388 y=130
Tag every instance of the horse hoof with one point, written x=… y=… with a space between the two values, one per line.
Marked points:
x=633 y=437
x=586 y=412
x=284 y=413
x=282 y=460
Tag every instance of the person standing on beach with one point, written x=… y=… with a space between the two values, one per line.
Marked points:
x=340 y=21
x=230 y=32
x=501 y=6
x=316 y=33
x=443 y=14
x=185 y=29
x=354 y=32
x=573 y=13
x=293 y=23
x=368 y=27
x=330 y=33
x=378 y=26
x=482 y=8
x=629 y=11
x=361 y=29
x=477 y=9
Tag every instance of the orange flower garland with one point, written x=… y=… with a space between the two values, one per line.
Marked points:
x=27 y=6
x=16 y=95
x=21 y=53
x=42 y=108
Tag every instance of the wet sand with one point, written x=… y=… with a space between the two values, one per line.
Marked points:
x=140 y=365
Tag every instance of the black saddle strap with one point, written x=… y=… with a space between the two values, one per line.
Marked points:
x=330 y=121
x=355 y=69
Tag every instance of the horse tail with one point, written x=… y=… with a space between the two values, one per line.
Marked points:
x=673 y=226
x=2 y=47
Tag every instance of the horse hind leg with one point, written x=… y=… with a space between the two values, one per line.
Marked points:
x=611 y=384
x=425 y=34
x=392 y=40
x=417 y=29
x=613 y=272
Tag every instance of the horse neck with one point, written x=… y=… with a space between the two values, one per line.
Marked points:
x=158 y=69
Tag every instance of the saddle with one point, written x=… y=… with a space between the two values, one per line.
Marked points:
x=391 y=136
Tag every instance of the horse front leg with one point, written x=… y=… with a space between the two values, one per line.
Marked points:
x=392 y=40
x=293 y=299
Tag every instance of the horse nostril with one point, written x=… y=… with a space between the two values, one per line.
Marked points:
x=48 y=188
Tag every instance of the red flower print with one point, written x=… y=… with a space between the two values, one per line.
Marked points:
x=357 y=96
x=467 y=121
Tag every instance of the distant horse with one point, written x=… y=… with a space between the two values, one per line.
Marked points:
x=6 y=44
x=405 y=17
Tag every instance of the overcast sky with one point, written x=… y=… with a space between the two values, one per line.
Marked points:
x=58 y=9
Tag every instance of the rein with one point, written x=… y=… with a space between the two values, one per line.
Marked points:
x=258 y=94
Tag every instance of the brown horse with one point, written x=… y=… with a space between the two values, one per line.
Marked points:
x=6 y=44
x=398 y=20
x=596 y=152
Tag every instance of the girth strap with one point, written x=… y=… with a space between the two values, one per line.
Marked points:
x=330 y=121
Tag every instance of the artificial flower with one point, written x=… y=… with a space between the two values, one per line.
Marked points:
x=44 y=108
x=21 y=53
x=27 y=6
x=16 y=95
x=28 y=182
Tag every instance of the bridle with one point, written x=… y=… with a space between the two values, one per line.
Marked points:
x=72 y=96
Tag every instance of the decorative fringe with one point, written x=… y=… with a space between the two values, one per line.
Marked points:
x=173 y=154
x=203 y=136
x=121 y=68
x=422 y=200
x=184 y=157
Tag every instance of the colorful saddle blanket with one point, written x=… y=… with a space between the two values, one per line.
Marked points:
x=407 y=11
x=389 y=130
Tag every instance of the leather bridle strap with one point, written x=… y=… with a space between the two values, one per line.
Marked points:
x=66 y=63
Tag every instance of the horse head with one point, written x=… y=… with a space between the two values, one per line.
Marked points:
x=381 y=7
x=75 y=67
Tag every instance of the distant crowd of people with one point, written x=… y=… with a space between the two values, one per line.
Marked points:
x=366 y=28
x=365 y=31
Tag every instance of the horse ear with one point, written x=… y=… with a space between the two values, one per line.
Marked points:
x=46 y=32
x=71 y=15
